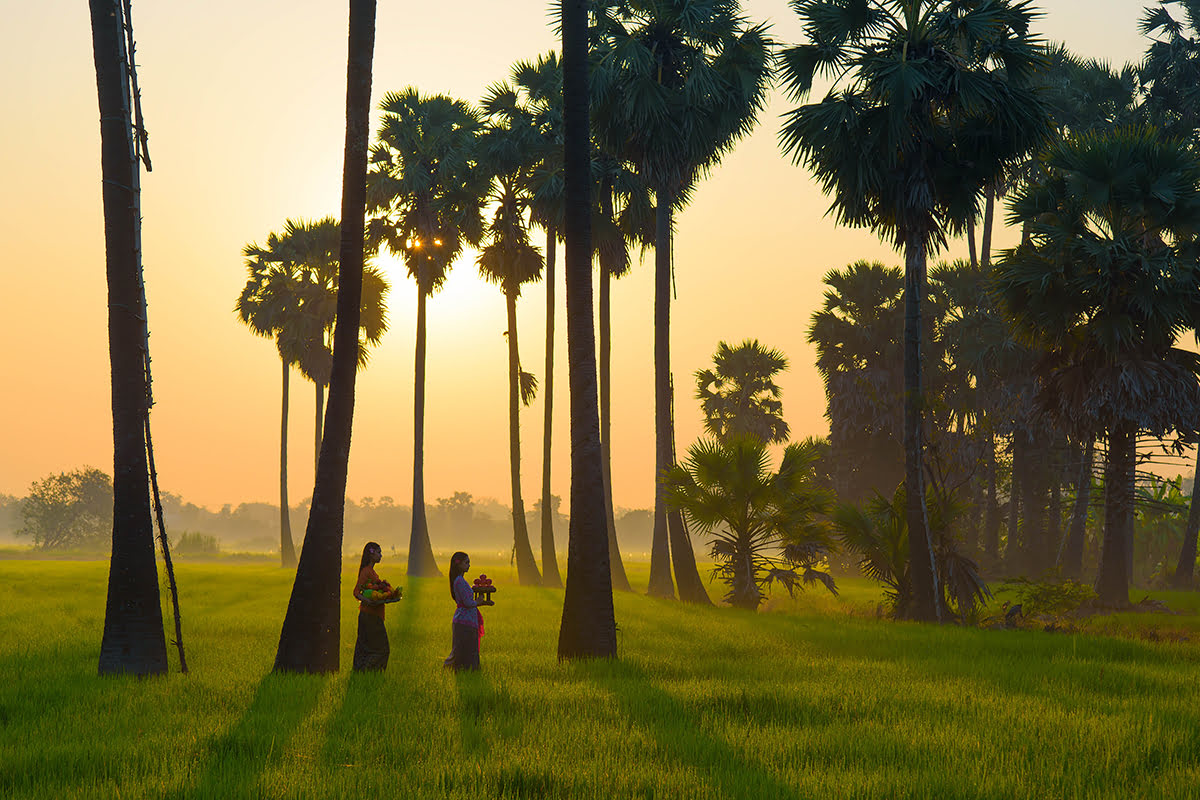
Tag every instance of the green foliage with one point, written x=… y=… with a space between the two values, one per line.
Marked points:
x=763 y=527
x=1049 y=597
x=196 y=544
x=878 y=533
x=68 y=509
x=739 y=396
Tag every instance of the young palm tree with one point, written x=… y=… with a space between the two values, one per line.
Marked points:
x=510 y=261
x=931 y=99
x=739 y=396
x=588 y=628
x=763 y=526
x=427 y=191
x=679 y=82
x=133 y=628
x=309 y=641
x=1107 y=284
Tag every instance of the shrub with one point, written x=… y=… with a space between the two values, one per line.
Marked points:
x=68 y=509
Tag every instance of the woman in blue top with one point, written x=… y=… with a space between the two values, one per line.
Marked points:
x=467 y=625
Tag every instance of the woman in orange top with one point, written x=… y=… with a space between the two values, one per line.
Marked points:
x=371 y=650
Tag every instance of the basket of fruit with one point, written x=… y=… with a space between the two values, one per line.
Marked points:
x=378 y=593
x=483 y=590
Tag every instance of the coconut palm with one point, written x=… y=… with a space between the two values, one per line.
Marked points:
x=1107 y=283
x=678 y=82
x=763 y=526
x=588 y=628
x=309 y=641
x=931 y=99
x=509 y=260
x=426 y=190
x=133 y=629
x=739 y=396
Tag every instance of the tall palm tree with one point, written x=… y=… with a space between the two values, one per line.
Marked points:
x=291 y=295
x=679 y=82
x=739 y=396
x=1107 y=283
x=309 y=641
x=931 y=99
x=427 y=191
x=588 y=627
x=133 y=628
x=509 y=260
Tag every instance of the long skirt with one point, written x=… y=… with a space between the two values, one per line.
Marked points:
x=371 y=649
x=464 y=652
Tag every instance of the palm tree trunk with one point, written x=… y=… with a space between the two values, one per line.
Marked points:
x=1071 y=556
x=1012 y=549
x=620 y=580
x=133 y=640
x=687 y=577
x=421 y=562
x=310 y=639
x=320 y=415
x=550 y=573
x=1112 y=585
x=661 y=584
x=287 y=550
x=1034 y=530
x=588 y=627
x=926 y=594
x=1049 y=550
x=527 y=571
x=1182 y=579
x=985 y=243
x=974 y=255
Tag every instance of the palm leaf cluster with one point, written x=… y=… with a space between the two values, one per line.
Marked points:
x=739 y=397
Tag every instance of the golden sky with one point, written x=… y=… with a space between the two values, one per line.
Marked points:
x=244 y=102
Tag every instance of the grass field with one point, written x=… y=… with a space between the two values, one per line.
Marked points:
x=813 y=699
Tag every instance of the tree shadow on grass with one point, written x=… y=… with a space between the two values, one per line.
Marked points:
x=232 y=761
x=679 y=733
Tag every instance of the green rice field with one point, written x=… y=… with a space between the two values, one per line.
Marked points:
x=816 y=698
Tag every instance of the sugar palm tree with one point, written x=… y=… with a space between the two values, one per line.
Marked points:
x=509 y=260
x=739 y=396
x=309 y=640
x=133 y=628
x=763 y=526
x=679 y=82
x=426 y=190
x=1107 y=283
x=931 y=99
x=588 y=628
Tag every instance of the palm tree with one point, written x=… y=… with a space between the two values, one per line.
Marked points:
x=739 y=396
x=588 y=627
x=510 y=261
x=133 y=628
x=1107 y=283
x=763 y=526
x=931 y=99
x=679 y=82
x=427 y=191
x=309 y=641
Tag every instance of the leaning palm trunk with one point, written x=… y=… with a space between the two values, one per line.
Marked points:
x=319 y=406
x=527 y=571
x=588 y=627
x=420 y=550
x=550 y=573
x=926 y=595
x=1070 y=559
x=309 y=641
x=1182 y=579
x=619 y=579
x=287 y=550
x=661 y=584
x=133 y=627
x=1112 y=585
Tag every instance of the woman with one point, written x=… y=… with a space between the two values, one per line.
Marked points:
x=467 y=625
x=371 y=649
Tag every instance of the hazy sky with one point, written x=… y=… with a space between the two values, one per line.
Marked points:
x=244 y=102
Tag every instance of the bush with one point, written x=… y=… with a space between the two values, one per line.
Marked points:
x=1050 y=597
x=69 y=509
x=196 y=544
